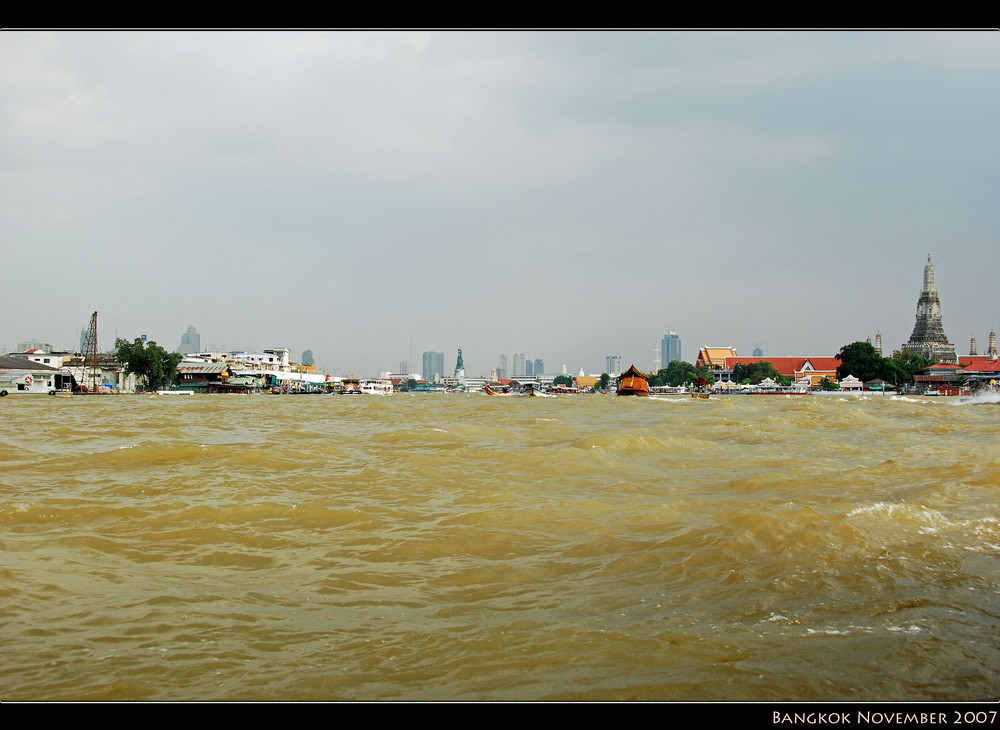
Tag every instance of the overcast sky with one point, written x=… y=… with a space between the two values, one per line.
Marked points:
x=566 y=195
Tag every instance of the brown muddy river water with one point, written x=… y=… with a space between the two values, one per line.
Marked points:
x=458 y=547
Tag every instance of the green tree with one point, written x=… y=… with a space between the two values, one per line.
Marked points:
x=147 y=361
x=702 y=372
x=562 y=380
x=908 y=364
x=755 y=372
x=860 y=360
x=827 y=384
x=679 y=372
x=658 y=378
x=603 y=383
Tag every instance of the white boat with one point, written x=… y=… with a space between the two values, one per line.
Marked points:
x=375 y=387
x=175 y=392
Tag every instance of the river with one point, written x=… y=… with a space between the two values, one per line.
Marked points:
x=461 y=547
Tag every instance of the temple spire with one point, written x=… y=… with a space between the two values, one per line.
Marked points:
x=928 y=338
x=929 y=275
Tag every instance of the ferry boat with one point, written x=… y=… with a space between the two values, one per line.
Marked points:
x=633 y=382
x=669 y=390
x=375 y=387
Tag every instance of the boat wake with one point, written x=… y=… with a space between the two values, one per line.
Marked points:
x=985 y=396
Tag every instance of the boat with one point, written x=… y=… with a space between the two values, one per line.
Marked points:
x=175 y=392
x=633 y=382
x=700 y=389
x=535 y=392
x=375 y=387
x=496 y=392
x=669 y=390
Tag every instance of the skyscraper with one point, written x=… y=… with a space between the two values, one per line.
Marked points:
x=517 y=365
x=433 y=368
x=614 y=365
x=190 y=341
x=928 y=338
x=539 y=367
x=670 y=349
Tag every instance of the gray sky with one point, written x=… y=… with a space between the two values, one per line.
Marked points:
x=567 y=195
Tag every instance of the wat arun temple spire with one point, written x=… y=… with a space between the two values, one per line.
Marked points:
x=928 y=338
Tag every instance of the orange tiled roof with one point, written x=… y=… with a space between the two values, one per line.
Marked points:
x=789 y=366
x=979 y=364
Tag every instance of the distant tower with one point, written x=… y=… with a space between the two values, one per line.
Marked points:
x=433 y=368
x=928 y=338
x=991 y=353
x=539 y=366
x=878 y=342
x=517 y=366
x=502 y=368
x=404 y=367
x=670 y=349
x=190 y=342
x=460 y=366
x=972 y=347
x=307 y=358
x=758 y=351
x=614 y=365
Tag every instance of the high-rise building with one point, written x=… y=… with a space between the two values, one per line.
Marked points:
x=529 y=368
x=502 y=368
x=614 y=365
x=670 y=349
x=404 y=367
x=517 y=365
x=190 y=342
x=928 y=338
x=43 y=346
x=539 y=367
x=307 y=358
x=433 y=368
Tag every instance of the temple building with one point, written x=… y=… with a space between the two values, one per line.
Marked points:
x=928 y=338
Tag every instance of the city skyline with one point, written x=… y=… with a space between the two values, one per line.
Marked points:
x=369 y=196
